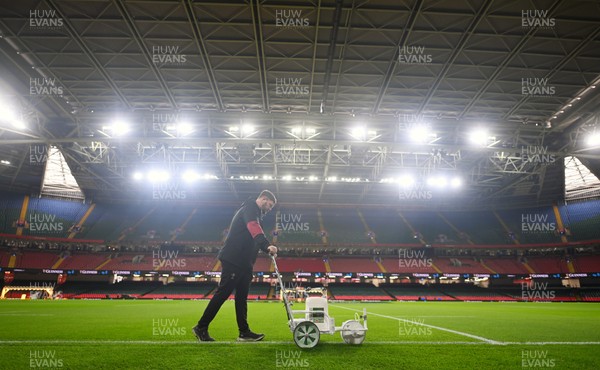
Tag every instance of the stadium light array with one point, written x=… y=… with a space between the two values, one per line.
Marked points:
x=184 y=128
x=157 y=176
x=593 y=139
x=363 y=134
x=247 y=129
x=406 y=181
x=421 y=134
x=190 y=176
x=301 y=132
x=456 y=182
x=10 y=116
x=117 y=127
x=480 y=137
x=440 y=181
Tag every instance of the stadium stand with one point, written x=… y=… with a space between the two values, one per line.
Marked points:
x=207 y=224
x=532 y=225
x=469 y=292
x=432 y=227
x=505 y=265
x=10 y=209
x=124 y=289
x=357 y=292
x=481 y=227
x=287 y=264
x=582 y=218
x=180 y=290
x=387 y=226
x=297 y=225
x=53 y=217
x=343 y=226
x=353 y=264
x=415 y=292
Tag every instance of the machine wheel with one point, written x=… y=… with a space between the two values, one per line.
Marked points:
x=306 y=334
x=353 y=332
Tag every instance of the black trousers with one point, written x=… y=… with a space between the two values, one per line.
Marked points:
x=232 y=277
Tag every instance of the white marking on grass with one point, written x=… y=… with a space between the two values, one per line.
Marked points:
x=157 y=342
x=490 y=341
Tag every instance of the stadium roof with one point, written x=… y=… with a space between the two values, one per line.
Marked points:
x=319 y=100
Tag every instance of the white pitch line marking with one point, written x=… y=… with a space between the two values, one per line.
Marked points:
x=490 y=341
x=156 y=342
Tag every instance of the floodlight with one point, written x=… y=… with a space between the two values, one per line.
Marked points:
x=406 y=181
x=158 y=176
x=421 y=134
x=190 y=176
x=479 y=137
x=593 y=139
x=119 y=127
x=456 y=182
x=10 y=116
x=359 y=133
x=184 y=128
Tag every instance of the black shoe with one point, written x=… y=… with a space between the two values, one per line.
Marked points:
x=202 y=334
x=249 y=336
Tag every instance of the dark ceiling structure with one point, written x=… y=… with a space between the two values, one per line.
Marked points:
x=318 y=101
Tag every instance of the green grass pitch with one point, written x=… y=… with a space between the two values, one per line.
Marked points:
x=123 y=334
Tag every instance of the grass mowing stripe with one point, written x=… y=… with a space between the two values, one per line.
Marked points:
x=490 y=341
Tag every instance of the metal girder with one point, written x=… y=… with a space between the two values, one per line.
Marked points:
x=145 y=52
x=514 y=52
x=458 y=49
x=199 y=39
x=346 y=49
x=337 y=15
x=89 y=53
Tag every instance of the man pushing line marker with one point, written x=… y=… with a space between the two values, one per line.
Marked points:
x=246 y=237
